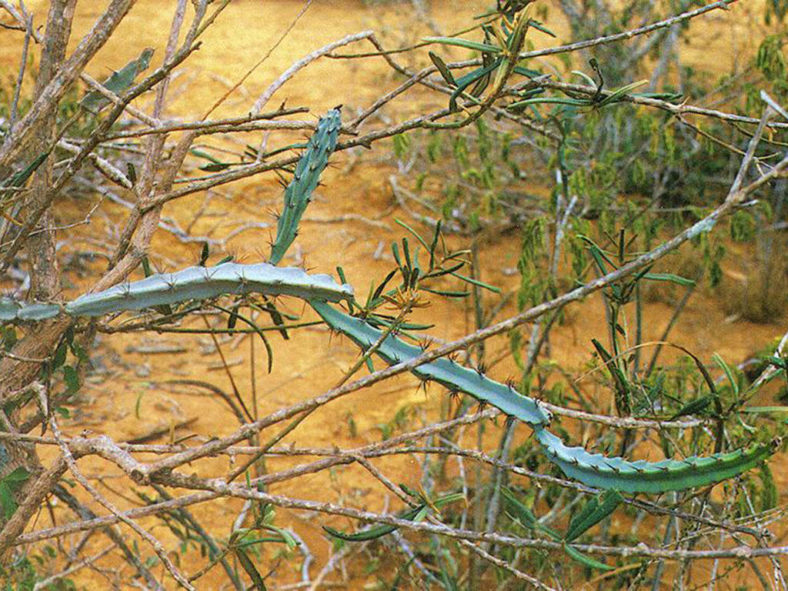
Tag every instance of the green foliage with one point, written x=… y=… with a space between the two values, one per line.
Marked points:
x=742 y=226
x=9 y=485
x=775 y=10
x=25 y=572
x=417 y=513
x=591 y=514
x=770 y=59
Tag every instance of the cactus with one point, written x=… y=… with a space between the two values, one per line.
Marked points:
x=192 y=283
x=14 y=310
x=118 y=82
x=198 y=283
x=592 y=469
x=305 y=178
x=443 y=371
x=649 y=477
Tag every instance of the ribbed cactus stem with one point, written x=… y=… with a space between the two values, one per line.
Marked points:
x=192 y=283
x=612 y=473
x=641 y=476
x=298 y=193
x=444 y=371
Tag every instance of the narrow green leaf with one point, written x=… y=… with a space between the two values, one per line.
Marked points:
x=677 y=279
x=694 y=407
x=59 y=358
x=19 y=179
x=586 y=560
x=728 y=373
x=476 y=76
x=71 y=377
x=414 y=514
x=588 y=80
x=621 y=92
x=205 y=155
x=371 y=533
x=581 y=517
x=131 y=172
x=664 y=96
x=778 y=362
x=447 y=293
x=285 y=536
x=477 y=283
x=527 y=72
x=416 y=235
x=146 y=268
x=594 y=512
x=540 y=27
x=549 y=101
x=216 y=167
x=484 y=47
x=443 y=69
x=446 y=271
x=251 y=570
x=519 y=511
x=7 y=500
x=622 y=384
